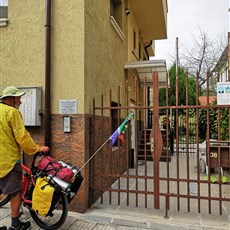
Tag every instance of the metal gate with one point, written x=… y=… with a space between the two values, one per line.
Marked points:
x=166 y=161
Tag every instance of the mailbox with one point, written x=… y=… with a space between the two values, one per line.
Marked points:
x=219 y=154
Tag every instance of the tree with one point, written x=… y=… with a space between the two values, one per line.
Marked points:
x=214 y=122
x=201 y=56
x=181 y=95
x=181 y=88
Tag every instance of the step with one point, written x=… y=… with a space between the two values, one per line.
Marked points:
x=141 y=156
x=149 y=158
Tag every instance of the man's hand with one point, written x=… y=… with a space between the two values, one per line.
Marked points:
x=44 y=149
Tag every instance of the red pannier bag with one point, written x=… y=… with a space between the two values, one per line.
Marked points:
x=50 y=166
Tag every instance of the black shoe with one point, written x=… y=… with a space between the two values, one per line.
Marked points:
x=3 y=228
x=22 y=226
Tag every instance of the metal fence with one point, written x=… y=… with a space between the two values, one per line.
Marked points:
x=175 y=165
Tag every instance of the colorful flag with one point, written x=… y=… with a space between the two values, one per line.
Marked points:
x=120 y=131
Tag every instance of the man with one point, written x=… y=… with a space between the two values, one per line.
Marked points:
x=13 y=138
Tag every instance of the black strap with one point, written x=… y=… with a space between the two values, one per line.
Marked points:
x=54 y=168
x=42 y=188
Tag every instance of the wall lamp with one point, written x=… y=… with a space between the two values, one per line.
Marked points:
x=127 y=11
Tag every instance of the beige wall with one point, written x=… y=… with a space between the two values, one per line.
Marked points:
x=23 y=49
x=68 y=53
x=87 y=60
x=132 y=25
x=105 y=53
x=134 y=56
x=87 y=54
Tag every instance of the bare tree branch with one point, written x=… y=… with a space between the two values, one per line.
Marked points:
x=203 y=54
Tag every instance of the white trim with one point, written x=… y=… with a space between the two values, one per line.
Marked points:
x=3 y=22
x=147 y=69
x=117 y=28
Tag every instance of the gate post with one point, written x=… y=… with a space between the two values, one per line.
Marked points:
x=156 y=140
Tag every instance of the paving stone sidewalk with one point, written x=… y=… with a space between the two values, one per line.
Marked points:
x=102 y=217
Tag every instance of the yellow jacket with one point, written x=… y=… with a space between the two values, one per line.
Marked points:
x=13 y=138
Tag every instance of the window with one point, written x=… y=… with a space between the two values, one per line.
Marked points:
x=134 y=40
x=139 y=51
x=3 y=12
x=3 y=8
x=116 y=16
x=224 y=75
x=135 y=51
x=116 y=10
x=114 y=115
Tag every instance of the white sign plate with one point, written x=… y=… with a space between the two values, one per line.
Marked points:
x=68 y=106
x=31 y=106
x=223 y=93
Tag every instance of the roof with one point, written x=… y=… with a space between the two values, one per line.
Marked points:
x=222 y=60
x=151 y=17
x=203 y=99
x=147 y=68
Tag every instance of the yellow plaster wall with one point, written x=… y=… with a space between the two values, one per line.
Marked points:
x=132 y=25
x=105 y=54
x=22 y=46
x=68 y=52
x=22 y=50
x=87 y=54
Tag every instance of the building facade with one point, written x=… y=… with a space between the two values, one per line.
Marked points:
x=73 y=52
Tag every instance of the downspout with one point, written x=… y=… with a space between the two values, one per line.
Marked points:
x=47 y=70
x=148 y=89
x=146 y=47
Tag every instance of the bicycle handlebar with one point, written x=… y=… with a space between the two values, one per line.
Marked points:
x=37 y=154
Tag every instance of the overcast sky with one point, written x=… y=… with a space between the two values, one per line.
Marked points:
x=185 y=17
x=4 y=2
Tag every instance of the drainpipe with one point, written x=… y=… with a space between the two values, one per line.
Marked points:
x=148 y=90
x=146 y=47
x=47 y=71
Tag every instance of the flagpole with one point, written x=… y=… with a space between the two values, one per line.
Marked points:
x=123 y=123
x=93 y=155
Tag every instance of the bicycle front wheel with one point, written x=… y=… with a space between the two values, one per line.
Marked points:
x=56 y=218
x=4 y=199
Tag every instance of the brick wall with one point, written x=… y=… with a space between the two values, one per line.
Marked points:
x=109 y=163
x=72 y=148
x=69 y=147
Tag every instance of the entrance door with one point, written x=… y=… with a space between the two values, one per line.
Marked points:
x=133 y=157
